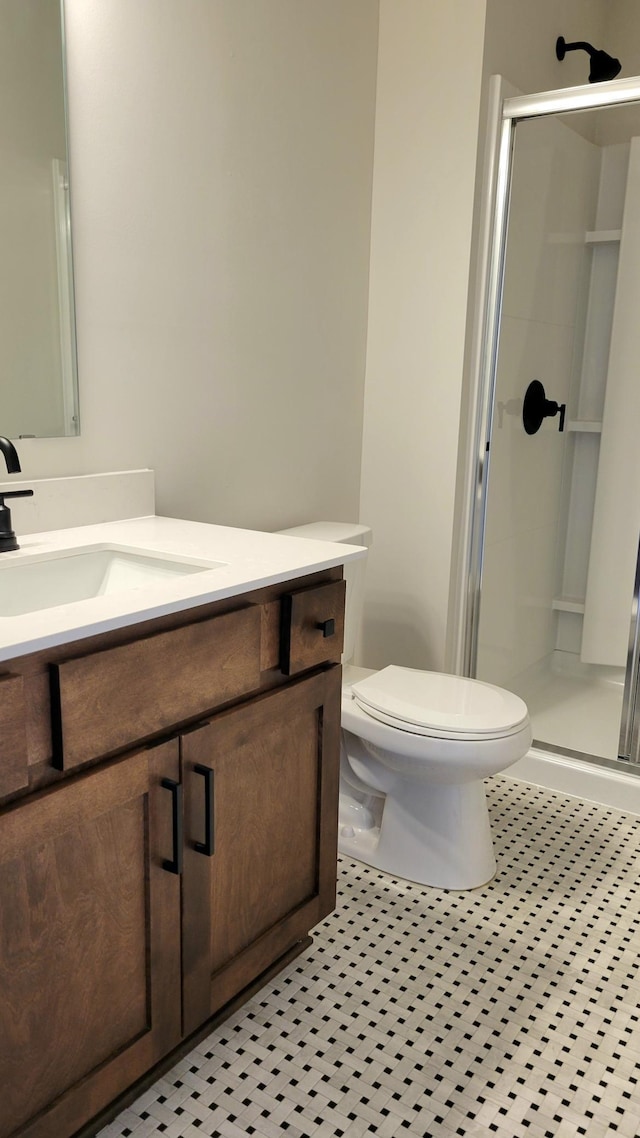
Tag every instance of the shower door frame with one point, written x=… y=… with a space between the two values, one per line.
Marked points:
x=505 y=112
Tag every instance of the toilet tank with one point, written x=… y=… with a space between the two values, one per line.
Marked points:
x=348 y=533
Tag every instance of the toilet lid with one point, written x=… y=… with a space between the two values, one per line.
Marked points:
x=447 y=704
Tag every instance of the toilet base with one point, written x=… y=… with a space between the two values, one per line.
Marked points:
x=437 y=835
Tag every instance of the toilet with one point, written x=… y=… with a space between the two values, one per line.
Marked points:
x=416 y=748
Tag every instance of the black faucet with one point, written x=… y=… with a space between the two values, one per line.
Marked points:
x=7 y=536
x=10 y=455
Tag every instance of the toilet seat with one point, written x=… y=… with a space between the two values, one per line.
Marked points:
x=439 y=706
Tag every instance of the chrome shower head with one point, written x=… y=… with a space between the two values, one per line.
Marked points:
x=603 y=66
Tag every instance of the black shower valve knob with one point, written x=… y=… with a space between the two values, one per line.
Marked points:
x=536 y=408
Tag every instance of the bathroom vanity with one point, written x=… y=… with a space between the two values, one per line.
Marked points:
x=168 y=801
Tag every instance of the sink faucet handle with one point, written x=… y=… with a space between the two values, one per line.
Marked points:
x=7 y=536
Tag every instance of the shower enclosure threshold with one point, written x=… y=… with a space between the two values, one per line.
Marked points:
x=608 y=782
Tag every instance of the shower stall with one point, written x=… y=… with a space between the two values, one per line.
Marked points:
x=549 y=602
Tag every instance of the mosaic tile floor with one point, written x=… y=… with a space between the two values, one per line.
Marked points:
x=509 y=1010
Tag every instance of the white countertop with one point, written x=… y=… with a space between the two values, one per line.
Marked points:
x=251 y=559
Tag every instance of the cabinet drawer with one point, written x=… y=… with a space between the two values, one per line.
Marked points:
x=13 y=735
x=312 y=629
x=110 y=699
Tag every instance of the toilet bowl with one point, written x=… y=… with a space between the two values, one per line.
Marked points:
x=416 y=747
x=412 y=797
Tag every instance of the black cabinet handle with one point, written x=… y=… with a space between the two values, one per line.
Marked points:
x=327 y=627
x=174 y=865
x=208 y=845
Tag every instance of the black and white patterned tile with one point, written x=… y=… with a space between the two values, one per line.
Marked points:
x=508 y=1010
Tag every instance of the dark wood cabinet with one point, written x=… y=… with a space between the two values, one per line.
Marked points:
x=142 y=892
x=89 y=943
x=147 y=685
x=13 y=736
x=267 y=777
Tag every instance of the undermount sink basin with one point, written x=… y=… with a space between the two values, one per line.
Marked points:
x=36 y=582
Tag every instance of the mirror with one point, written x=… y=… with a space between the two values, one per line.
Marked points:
x=38 y=390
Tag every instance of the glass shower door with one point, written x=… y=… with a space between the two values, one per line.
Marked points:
x=562 y=508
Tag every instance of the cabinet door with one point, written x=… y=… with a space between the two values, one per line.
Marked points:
x=89 y=943
x=261 y=787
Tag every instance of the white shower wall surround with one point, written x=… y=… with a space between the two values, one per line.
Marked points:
x=616 y=522
x=582 y=442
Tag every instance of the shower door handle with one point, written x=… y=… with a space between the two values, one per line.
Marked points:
x=537 y=407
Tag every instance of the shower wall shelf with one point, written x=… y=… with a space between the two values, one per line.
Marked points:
x=592 y=426
x=602 y=236
x=568 y=604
